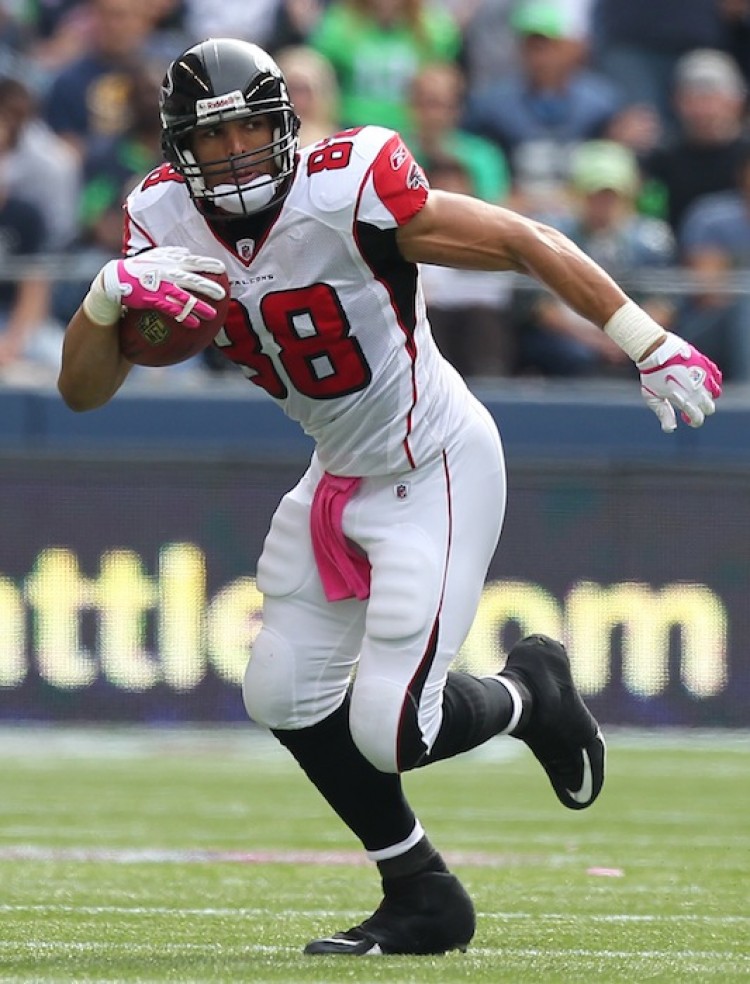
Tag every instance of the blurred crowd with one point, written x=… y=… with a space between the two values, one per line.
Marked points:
x=622 y=122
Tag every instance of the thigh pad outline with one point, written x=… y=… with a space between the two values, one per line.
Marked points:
x=287 y=558
x=406 y=585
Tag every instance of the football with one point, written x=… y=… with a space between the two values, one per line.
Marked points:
x=150 y=338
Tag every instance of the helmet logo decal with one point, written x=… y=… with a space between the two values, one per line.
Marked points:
x=264 y=62
x=216 y=104
x=168 y=84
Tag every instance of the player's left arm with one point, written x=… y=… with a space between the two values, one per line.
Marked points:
x=459 y=231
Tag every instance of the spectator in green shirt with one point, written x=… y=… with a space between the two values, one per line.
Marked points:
x=376 y=48
x=433 y=132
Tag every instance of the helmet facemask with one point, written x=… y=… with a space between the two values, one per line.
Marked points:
x=232 y=192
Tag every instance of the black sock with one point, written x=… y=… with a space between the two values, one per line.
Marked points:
x=371 y=803
x=475 y=709
x=416 y=861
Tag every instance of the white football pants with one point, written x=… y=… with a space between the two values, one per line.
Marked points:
x=429 y=535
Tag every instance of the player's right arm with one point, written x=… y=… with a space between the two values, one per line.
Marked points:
x=166 y=279
x=93 y=368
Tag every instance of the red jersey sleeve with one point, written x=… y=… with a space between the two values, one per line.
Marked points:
x=395 y=188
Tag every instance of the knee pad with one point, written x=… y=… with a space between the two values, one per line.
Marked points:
x=280 y=693
x=268 y=688
x=374 y=716
x=388 y=727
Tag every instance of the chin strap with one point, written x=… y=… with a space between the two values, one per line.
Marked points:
x=243 y=199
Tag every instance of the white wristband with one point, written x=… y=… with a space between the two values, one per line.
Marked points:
x=634 y=330
x=99 y=307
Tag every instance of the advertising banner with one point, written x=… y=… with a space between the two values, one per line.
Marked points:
x=127 y=588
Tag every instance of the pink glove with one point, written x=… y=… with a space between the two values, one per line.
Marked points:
x=163 y=279
x=678 y=375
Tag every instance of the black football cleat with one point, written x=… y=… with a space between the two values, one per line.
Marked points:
x=561 y=731
x=427 y=913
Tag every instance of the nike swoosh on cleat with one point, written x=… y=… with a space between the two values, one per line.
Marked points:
x=583 y=795
x=374 y=950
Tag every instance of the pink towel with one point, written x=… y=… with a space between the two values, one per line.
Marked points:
x=343 y=569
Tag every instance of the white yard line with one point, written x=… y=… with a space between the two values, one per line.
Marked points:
x=27 y=740
x=32 y=852
x=672 y=955
x=141 y=910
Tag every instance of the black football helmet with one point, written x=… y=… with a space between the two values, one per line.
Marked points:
x=225 y=79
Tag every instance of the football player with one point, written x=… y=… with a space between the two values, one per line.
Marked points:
x=375 y=561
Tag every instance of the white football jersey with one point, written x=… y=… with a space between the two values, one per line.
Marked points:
x=326 y=315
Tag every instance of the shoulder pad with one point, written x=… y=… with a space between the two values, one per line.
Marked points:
x=334 y=169
x=156 y=205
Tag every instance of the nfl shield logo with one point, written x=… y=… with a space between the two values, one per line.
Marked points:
x=245 y=249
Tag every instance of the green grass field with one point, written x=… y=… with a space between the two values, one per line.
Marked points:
x=203 y=856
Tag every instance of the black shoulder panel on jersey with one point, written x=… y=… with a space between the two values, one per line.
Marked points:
x=381 y=253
